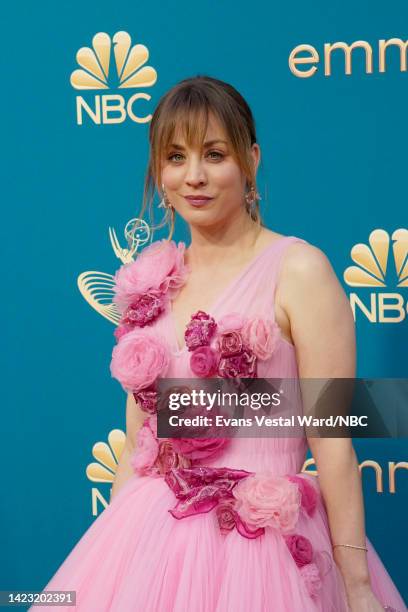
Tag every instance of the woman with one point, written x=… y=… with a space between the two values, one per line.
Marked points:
x=248 y=530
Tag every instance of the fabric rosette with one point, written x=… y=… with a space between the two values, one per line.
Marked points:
x=142 y=288
x=153 y=456
x=158 y=268
x=198 y=449
x=138 y=359
x=199 y=330
x=264 y=500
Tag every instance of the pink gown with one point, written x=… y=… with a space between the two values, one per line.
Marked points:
x=136 y=557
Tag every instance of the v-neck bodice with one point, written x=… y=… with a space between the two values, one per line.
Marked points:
x=250 y=293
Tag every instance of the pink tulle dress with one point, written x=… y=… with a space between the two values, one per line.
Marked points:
x=238 y=528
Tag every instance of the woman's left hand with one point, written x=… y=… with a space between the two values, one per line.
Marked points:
x=363 y=600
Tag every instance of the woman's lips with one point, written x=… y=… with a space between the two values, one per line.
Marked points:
x=198 y=200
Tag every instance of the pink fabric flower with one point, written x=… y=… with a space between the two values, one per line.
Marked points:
x=268 y=501
x=261 y=335
x=311 y=578
x=145 y=309
x=226 y=515
x=300 y=548
x=168 y=458
x=203 y=361
x=243 y=365
x=199 y=448
x=230 y=343
x=138 y=359
x=200 y=330
x=231 y=322
x=147 y=398
x=147 y=448
x=308 y=493
x=159 y=266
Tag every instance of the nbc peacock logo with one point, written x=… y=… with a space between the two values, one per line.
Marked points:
x=96 y=74
x=381 y=264
x=107 y=457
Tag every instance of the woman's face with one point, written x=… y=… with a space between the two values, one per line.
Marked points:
x=207 y=186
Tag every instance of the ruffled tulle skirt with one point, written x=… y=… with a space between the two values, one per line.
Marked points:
x=137 y=557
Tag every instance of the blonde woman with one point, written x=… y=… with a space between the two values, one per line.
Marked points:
x=225 y=525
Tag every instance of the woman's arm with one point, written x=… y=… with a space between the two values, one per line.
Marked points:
x=323 y=331
x=134 y=420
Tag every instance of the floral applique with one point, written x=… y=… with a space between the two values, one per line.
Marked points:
x=231 y=347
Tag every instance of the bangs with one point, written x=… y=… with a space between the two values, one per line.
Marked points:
x=187 y=122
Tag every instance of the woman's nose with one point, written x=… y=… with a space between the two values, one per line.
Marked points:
x=195 y=173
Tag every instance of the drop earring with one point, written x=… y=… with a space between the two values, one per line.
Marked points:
x=252 y=197
x=165 y=203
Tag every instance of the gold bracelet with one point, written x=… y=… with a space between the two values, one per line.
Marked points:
x=351 y=546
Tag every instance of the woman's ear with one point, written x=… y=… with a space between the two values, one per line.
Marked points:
x=256 y=155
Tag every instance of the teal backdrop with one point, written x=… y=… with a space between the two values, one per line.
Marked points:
x=333 y=170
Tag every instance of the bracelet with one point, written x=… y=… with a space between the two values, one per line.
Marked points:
x=351 y=546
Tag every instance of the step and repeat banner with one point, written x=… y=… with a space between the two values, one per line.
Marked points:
x=327 y=84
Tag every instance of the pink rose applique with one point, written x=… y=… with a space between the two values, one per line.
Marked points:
x=147 y=448
x=200 y=330
x=203 y=361
x=230 y=343
x=147 y=398
x=262 y=336
x=300 y=548
x=199 y=448
x=308 y=493
x=160 y=266
x=168 y=458
x=138 y=359
x=242 y=365
x=311 y=578
x=226 y=514
x=145 y=309
x=268 y=501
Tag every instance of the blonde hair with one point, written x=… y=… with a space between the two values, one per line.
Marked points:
x=187 y=105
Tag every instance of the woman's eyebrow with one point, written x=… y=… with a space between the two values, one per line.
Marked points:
x=206 y=144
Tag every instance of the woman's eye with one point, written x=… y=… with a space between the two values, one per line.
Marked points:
x=173 y=155
x=217 y=154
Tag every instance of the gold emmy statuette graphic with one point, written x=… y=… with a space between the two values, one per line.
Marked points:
x=97 y=287
x=372 y=260
x=95 y=63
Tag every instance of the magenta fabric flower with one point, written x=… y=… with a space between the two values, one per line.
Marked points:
x=242 y=365
x=230 y=343
x=168 y=458
x=300 y=548
x=203 y=361
x=145 y=309
x=308 y=493
x=200 y=330
x=262 y=336
x=138 y=359
x=231 y=322
x=311 y=578
x=264 y=500
x=142 y=460
x=226 y=515
x=159 y=266
x=147 y=398
x=199 y=448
